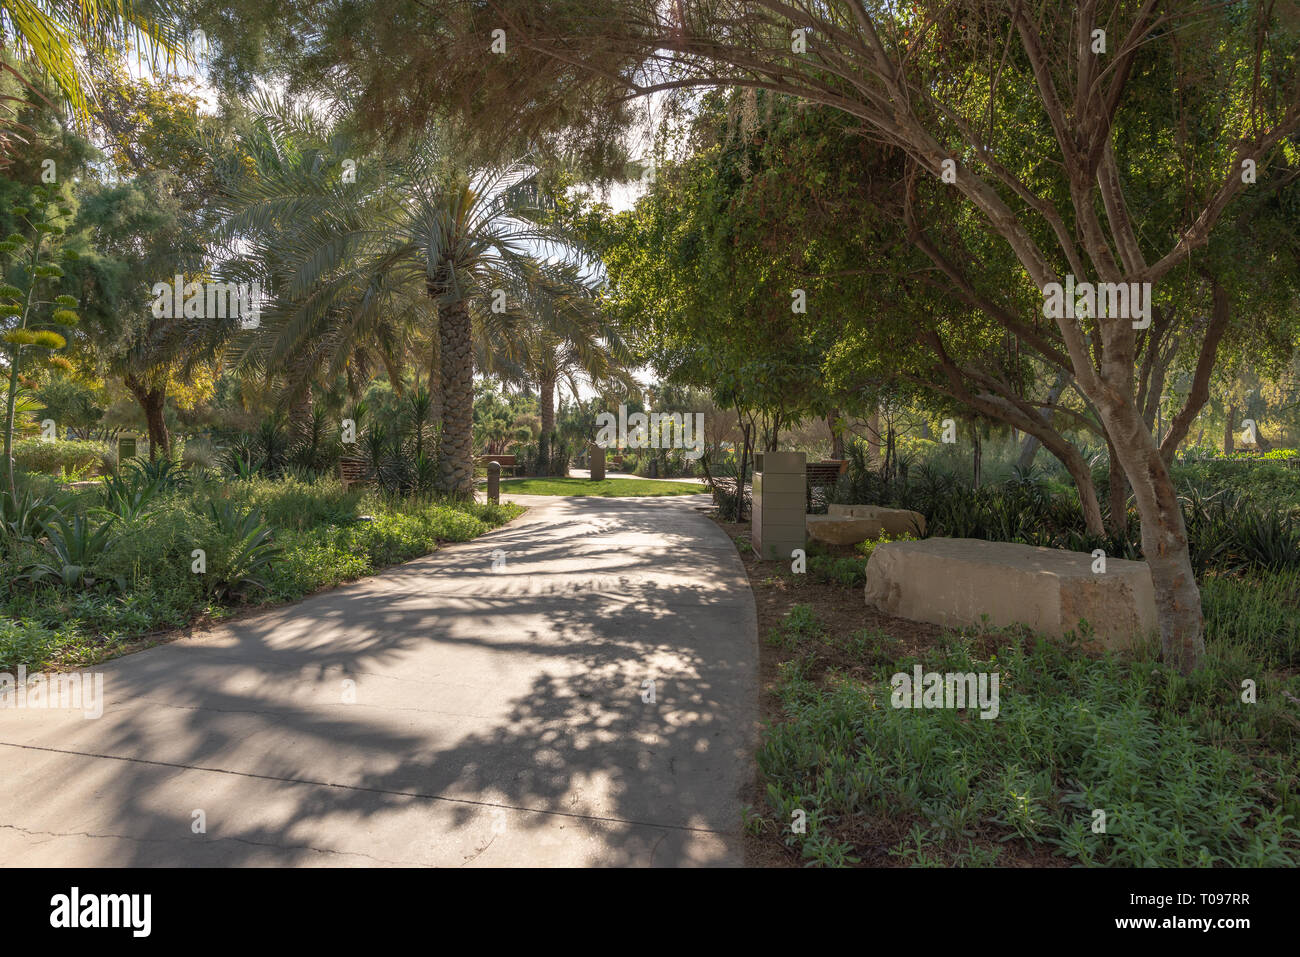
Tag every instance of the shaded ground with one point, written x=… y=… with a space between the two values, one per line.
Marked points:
x=608 y=487
x=483 y=705
x=843 y=611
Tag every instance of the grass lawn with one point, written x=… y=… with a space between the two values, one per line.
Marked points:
x=608 y=488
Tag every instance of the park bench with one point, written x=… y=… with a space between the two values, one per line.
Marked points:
x=507 y=462
x=355 y=471
x=823 y=475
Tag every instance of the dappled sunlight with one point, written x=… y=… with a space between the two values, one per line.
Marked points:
x=495 y=712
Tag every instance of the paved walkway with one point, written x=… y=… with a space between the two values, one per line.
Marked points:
x=498 y=716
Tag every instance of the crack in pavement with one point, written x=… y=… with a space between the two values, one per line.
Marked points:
x=373 y=790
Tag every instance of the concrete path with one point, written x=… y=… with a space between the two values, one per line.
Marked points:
x=442 y=713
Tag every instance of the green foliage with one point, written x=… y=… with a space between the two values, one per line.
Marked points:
x=1266 y=481
x=292 y=503
x=1225 y=530
x=241 y=557
x=1257 y=614
x=22 y=515
x=128 y=494
x=72 y=547
x=38 y=455
x=263 y=541
x=799 y=625
x=1072 y=735
x=844 y=570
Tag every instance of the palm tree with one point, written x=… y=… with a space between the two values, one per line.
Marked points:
x=407 y=242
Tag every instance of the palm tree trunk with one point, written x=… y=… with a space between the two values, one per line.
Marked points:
x=546 y=399
x=456 y=464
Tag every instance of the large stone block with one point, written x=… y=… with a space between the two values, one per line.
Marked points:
x=895 y=521
x=959 y=581
x=841 y=530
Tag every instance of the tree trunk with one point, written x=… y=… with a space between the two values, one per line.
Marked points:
x=1228 y=436
x=1082 y=475
x=1116 y=494
x=456 y=463
x=1164 y=536
x=153 y=402
x=873 y=438
x=977 y=454
x=546 y=401
x=159 y=439
x=10 y=402
x=744 y=465
x=1029 y=449
x=837 y=434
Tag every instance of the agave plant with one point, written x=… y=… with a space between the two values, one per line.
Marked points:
x=129 y=494
x=250 y=550
x=1268 y=538
x=21 y=515
x=72 y=546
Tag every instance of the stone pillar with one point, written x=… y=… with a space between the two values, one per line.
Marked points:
x=494 y=482
x=597 y=459
x=779 y=520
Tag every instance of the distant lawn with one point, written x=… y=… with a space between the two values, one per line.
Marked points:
x=609 y=488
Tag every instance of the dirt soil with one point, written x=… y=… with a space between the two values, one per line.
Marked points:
x=843 y=611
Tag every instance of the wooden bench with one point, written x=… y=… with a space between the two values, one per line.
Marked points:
x=823 y=475
x=355 y=471
x=507 y=462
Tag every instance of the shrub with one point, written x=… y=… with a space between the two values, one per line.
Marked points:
x=294 y=503
x=153 y=551
x=845 y=570
x=72 y=546
x=51 y=458
x=27 y=643
x=799 y=625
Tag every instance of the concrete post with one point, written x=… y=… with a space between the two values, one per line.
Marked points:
x=597 y=457
x=779 y=521
x=494 y=482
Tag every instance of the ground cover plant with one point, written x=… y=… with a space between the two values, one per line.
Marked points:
x=1189 y=774
x=93 y=572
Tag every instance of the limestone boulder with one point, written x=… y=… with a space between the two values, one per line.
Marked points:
x=841 y=530
x=961 y=581
x=895 y=521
